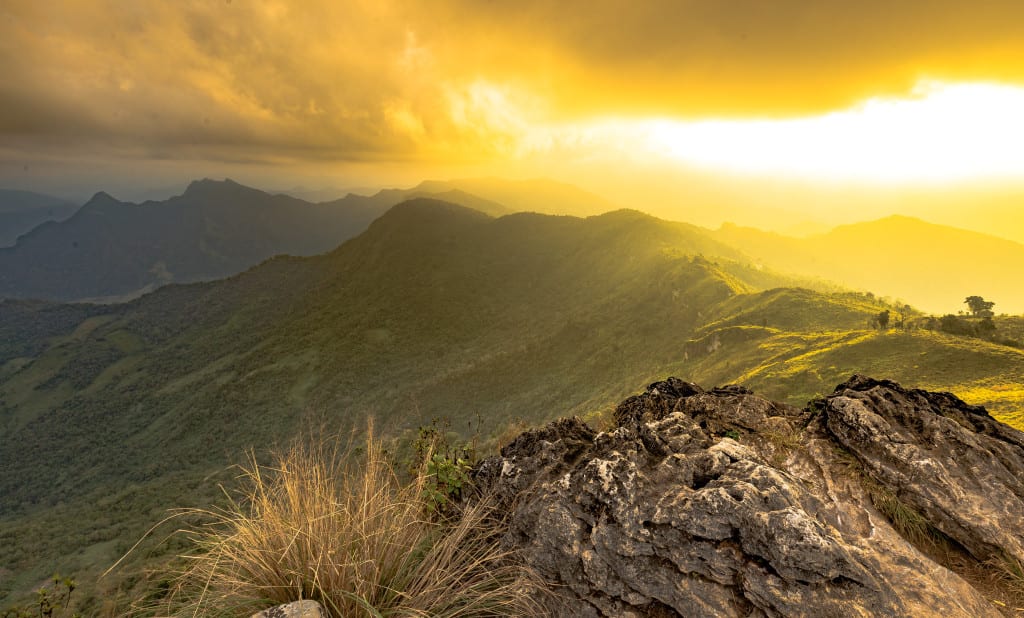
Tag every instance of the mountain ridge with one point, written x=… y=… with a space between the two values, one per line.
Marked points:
x=928 y=265
x=542 y=195
x=114 y=250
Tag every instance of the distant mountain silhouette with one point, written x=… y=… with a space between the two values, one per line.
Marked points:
x=20 y=211
x=933 y=267
x=214 y=229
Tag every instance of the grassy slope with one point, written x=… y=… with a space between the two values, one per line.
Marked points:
x=792 y=345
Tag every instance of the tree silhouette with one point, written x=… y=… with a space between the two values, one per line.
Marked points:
x=986 y=328
x=883 y=319
x=904 y=312
x=980 y=308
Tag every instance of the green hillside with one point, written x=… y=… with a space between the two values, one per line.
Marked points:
x=793 y=344
x=111 y=414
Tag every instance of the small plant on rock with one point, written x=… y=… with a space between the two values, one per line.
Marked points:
x=446 y=467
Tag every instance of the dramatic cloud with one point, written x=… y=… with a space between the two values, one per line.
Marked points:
x=454 y=80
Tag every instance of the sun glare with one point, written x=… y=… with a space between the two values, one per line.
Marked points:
x=944 y=132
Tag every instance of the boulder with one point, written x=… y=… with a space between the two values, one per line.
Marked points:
x=296 y=609
x=952 y=462
x=721 y=503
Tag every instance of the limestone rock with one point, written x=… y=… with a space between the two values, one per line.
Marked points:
x=296 y=609
x=722 y=503
x=959 y=467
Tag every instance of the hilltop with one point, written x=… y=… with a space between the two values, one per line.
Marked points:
x=537 y=195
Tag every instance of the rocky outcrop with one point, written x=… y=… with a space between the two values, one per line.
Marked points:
x=722 y=503
x=951 y=462
x=296 y=609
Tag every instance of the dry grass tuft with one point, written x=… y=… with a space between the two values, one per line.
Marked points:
x=783 y=443
x=905 y=519
x=1009 y=572
x=345 y=531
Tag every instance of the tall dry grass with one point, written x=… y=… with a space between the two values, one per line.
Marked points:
x=345 y=531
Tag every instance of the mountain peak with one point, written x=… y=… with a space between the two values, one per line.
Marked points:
x=898 y=218
x=101 y=201
x=102 y=196
x=422 y=218
x=208 y=186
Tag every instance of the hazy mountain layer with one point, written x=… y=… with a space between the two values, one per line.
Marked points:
x=111 y=249
x=538 y=195
x=20 y=211
x=932 y=267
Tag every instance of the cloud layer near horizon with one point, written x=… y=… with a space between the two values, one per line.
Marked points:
x=453 y=80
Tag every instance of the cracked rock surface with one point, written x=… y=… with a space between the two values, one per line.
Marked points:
x=721 y=503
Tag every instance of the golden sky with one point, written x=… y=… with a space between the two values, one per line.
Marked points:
x=379 y=91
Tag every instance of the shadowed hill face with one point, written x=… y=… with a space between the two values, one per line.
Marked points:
x=932 y=267
x=214 y=229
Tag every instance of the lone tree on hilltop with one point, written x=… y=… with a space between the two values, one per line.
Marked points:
x=980 y=308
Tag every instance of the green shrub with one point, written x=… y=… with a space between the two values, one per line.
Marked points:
x=443 y=465
x=52 y=601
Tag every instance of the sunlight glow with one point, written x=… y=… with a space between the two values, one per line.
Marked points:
x=946 y=132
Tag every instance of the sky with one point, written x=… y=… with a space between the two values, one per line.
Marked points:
x=695 y=109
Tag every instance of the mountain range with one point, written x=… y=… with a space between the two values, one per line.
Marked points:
x=112 y=250
x=111 y=413
x=933 y=267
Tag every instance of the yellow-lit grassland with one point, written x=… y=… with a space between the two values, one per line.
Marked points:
x=795 y=367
